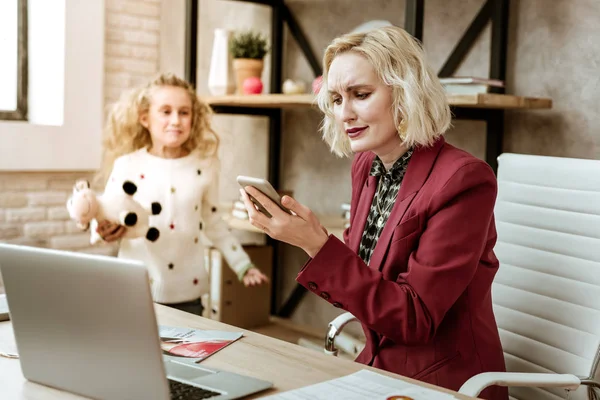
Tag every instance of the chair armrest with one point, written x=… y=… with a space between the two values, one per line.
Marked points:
x=349 y=344
x=335 y=327
x=476 y=384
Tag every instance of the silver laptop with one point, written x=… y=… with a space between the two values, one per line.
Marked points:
x=86 y=324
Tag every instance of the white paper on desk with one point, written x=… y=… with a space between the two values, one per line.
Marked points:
x=361 y=385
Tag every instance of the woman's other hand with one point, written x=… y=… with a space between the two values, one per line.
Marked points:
x=254 y=277
x=302 y=229
x=109 y=231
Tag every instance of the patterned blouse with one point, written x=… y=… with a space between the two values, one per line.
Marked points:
x=387 y=190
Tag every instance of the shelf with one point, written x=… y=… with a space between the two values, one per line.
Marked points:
x=499 y=101
x=263 y=100
x=481 y=100
x=333 y=224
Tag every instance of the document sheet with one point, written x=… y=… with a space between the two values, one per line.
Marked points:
x=360 y=385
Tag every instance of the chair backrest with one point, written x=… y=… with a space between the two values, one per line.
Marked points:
x=547 y=291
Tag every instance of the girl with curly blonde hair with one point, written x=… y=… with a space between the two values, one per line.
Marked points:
x=159 y=139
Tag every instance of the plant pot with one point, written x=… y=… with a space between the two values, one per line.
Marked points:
x=245 y=68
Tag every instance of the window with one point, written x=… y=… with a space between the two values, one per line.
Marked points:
x=64 y=122
x=14 y=66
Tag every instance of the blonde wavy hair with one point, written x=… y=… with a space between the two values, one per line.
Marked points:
x=124 y=133
x=420 y=107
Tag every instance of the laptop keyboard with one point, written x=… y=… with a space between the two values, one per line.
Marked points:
x=182 y=391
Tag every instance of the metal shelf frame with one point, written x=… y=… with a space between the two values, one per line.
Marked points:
x=494 y=11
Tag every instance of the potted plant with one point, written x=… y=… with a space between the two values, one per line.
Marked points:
x=248 y=50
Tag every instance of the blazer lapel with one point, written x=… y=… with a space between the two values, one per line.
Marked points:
x=418 y=170
x=362 y=211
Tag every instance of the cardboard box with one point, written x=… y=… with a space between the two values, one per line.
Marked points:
x=233 y=303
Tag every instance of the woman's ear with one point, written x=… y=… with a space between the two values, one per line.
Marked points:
x=144 y=120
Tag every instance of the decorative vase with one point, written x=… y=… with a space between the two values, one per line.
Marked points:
x=246 y=68
x=220 y=77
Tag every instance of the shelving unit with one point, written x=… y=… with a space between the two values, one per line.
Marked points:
x=489 y=107
x=284 y=101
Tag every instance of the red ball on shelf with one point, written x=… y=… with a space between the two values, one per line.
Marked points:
x=252 y=85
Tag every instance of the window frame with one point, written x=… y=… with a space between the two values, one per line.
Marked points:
x=20 y=114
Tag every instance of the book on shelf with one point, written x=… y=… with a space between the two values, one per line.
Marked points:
x=239 y=205
x=193 y=344
x=469 y=84
x=471 y=80
x=239 y=210
x=346 y=214
x=239 y=214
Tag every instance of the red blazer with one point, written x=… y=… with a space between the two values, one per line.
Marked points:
x=425 y=299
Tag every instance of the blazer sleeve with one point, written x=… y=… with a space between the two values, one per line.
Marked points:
x=358 y=164
x=346 y=234
x=410 y=309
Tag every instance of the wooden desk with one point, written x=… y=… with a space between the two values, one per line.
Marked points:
x=287 y=365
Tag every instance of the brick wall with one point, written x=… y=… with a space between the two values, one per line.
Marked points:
x=33 y=211
x=32 y=205
x=132 y=44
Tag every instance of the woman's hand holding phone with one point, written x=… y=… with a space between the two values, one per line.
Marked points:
x=301 y=228
x=265 y=188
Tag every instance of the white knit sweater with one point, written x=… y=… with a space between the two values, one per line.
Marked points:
x=187 y=190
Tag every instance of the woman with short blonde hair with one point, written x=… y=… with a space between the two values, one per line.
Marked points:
x=417 y=262
x=420 y=106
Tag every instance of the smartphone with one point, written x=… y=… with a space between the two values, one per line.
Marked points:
x=266 y=188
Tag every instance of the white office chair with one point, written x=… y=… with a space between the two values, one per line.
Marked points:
x=547 y=291
x=334 y=338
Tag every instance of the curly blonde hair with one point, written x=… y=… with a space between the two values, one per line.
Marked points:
x=419 y=99
x=124 y=133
